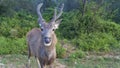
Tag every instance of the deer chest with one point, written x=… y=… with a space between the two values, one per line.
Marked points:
x=47 y=57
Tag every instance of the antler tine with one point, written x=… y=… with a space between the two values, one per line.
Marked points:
x=54 y=17
x=39 y=13
x=61 y=11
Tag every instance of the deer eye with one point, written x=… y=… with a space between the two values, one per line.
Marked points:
x=41 y=29
x=53 y=29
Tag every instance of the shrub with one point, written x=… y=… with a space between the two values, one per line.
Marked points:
x=96 y=42
x=77 y=54
x=69 y=27
x=12 y=46
x=112 y=28
x=61 y=52
x=20 y=23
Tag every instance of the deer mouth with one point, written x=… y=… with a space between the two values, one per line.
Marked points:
x=47 y=41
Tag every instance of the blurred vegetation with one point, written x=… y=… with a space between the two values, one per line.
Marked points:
x=90 y=25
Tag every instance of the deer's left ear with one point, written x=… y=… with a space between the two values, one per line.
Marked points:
x=57 y=23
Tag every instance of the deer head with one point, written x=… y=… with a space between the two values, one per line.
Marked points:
x=47 y=29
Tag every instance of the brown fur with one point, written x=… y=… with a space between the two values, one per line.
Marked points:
x=46 y=55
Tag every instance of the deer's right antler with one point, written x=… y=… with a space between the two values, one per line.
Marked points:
x=40 y=20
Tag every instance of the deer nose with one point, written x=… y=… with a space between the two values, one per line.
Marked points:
x=47 y=40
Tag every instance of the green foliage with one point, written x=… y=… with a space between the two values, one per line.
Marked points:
x=112 y=28
x=96 y=42
x=77 y=54
x=21 y=23
x=61 y=52
x=12 y=46
x=72 y=22
x=89 y=32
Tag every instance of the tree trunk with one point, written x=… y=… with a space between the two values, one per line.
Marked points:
x=84 y=6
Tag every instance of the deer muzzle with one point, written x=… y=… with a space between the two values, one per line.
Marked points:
x=47 y=41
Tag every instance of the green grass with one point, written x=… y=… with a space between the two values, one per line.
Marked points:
x=92 y=63
x=18 y=61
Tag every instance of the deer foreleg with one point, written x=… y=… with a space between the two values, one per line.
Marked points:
x=39 y=66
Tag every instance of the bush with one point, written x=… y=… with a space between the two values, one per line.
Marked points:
x=21 y=23
x=89 y=33
x=12 y=46
x=96 y=42
x=77 y=54
x=112 y=28
x=61 y=52
x=74 y=24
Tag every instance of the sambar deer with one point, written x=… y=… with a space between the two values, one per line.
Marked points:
x=41 y=41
